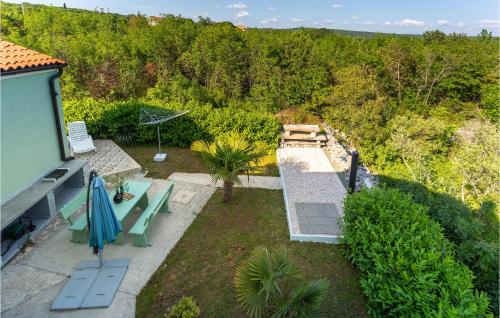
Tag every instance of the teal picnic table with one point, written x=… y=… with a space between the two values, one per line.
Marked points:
x=123 y=209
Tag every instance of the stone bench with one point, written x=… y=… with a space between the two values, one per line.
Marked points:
x=312 y=130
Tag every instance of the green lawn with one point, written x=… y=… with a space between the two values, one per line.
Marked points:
x=183 y=160
x=203 y=263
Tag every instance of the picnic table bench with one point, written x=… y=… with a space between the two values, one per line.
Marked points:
x=158 y=204
x=122 y=210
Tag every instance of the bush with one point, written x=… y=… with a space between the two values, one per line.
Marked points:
x=185 y=308
x=269 y=284
x=474 y=235
x=120 y=121
x=407 y=265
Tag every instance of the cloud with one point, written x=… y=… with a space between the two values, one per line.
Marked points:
x=354 y=17
x=328 y=21
x=443 y=22
x=296 y=19
x=337 y=5
x=242 y=14
x=271 y=8
x=489 y=22
x=369 y=22
x=239 y=5
x=269 y=20
x=461 y=24
x=410 y=22
x=387 y=23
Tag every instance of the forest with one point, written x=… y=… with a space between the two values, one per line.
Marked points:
x=423 y=111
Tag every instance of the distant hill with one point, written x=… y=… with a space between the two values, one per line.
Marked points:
x=352 y=33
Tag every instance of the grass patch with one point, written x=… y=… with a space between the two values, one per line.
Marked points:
x=184 y=160
x=203 y=263
x=178 y=160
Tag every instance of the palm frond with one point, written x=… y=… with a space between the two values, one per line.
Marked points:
x=229 y=156
x=307 y=298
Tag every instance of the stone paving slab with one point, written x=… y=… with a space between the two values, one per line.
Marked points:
x=308 y=177
x=109 y=159
x=33 y=280
x=264 y=182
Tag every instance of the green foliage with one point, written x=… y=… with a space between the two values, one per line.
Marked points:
x=402 y=101
x=269 y=284
x=185 y=308
x=407 y=265
x=120 y=121
x=229 y=156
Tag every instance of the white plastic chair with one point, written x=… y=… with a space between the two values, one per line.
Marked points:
x=79 y=140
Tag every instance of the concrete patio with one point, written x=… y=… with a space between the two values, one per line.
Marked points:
x=313 y=195
x=33 y=280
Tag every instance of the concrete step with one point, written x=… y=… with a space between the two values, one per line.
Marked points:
x=305 y=137
x=302 y=144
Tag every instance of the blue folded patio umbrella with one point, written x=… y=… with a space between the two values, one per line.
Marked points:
x=91 y=285
x=103 y=223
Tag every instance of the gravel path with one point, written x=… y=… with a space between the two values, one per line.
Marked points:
x=308 y=177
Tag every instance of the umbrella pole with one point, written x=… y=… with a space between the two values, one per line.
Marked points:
x=99 y=255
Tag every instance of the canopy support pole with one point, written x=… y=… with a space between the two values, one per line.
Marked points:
x=159 y=142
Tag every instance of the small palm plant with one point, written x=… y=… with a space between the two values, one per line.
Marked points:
x=227 y=157
x=269 y=284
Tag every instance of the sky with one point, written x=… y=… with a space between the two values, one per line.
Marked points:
x=393 y=16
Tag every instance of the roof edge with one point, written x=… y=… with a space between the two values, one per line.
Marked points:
x=33 y=69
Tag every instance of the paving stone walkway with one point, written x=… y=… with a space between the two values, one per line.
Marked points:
x=263 y=182
x=313 y=195
x=32 y=281
x=109 y=159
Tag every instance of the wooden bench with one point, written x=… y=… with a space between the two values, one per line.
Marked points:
x=78 y=227
x=158 y=204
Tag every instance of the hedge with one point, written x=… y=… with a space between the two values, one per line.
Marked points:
x=120 y=121
x=407 y=266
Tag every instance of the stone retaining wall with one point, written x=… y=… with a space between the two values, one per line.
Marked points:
x=340 y=155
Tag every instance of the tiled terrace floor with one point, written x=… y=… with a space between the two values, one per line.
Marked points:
x=109 y=159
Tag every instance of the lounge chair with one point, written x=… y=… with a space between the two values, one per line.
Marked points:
x=79 y=140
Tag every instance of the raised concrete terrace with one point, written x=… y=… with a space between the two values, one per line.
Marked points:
x=109 y=159
x=313 y=195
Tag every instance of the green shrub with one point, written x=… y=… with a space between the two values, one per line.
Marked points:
x=407 y=265
x=185 y=308
x=120 y=121
x=269 y=284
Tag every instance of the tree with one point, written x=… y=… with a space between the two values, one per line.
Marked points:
x=420 y=143
x=395 y=59
x=434 y=36
x=485 y=35
x=228 y=157
x=431 y=69
x=269 y=284
x=217 y=59
x=476 y=158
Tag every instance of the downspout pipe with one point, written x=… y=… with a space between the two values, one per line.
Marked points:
x=57 y=116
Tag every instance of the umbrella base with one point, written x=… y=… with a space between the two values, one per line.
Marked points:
x=91 y=286
x=160 y=157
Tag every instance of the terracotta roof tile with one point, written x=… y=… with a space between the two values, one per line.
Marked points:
x=14 y=57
